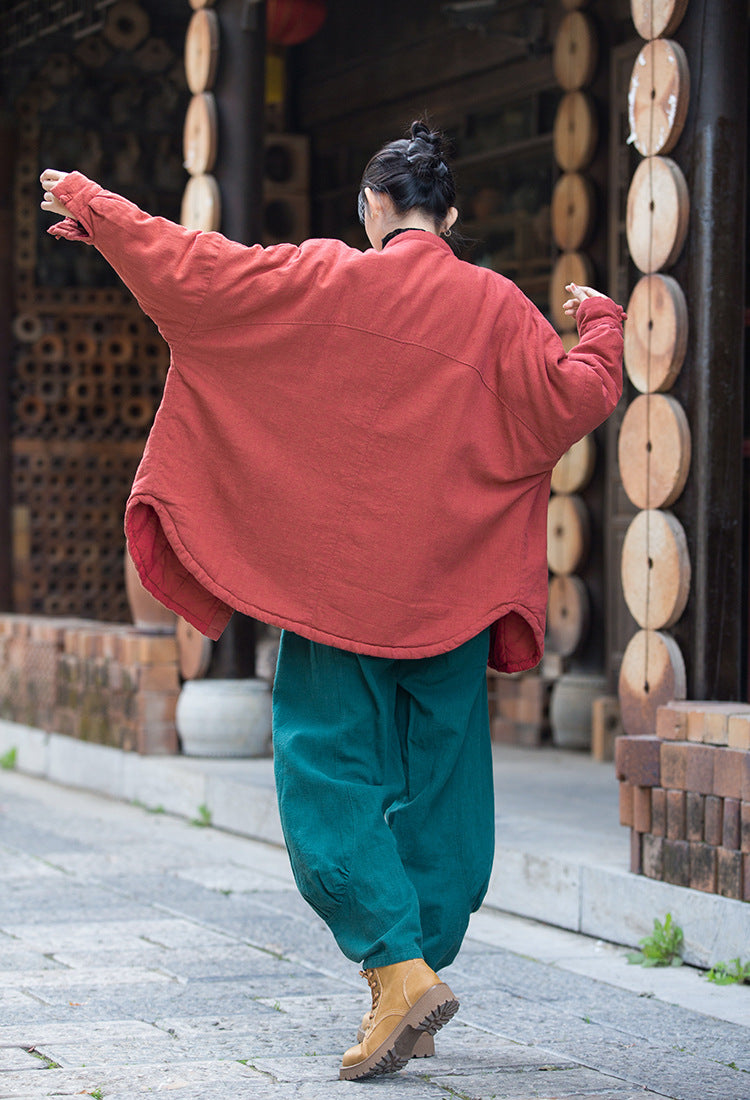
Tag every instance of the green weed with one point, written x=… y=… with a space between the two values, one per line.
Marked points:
x=203 y=820
x=662 y=947
x=8 y=760
x=733 y=972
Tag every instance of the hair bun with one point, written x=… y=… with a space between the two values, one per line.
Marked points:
x=425 y=150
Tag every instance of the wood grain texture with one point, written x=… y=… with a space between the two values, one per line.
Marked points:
x=652 y=674
x=655 y=569
x=654 y=18
x=568 y=533
x=658 y=210
x=653 y=450
x=575 y=132
x=658 y=97
x=656 y=333
x=576 y=52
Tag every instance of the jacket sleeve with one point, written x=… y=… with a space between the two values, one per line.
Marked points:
x=167 y=267
x=563 y=397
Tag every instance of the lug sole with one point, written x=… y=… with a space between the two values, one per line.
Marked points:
x=433 y=1009
x=423 y=1048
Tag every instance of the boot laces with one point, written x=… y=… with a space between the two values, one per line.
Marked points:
x=374 y=984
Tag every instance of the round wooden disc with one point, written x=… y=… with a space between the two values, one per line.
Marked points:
x=570 y=267
x=655 y=569
x=656 y=333
x=193 y=651
x=654 y=18
x=199 y=135
x=652 y=673
x=574 y=470
x=573 y=211
x=575 y=132
x=657 y=214
x=659 y=97
x=201 y=204
x=568 y=612
x=575 y=52
x=126 y=25
x=567 y=533
x=654 y=450
x=202 y=50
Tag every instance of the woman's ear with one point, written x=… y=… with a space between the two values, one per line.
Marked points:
x=450 y=218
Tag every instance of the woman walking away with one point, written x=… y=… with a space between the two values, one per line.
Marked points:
x=357 y=447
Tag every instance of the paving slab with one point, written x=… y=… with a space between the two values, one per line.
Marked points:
x=142 y=954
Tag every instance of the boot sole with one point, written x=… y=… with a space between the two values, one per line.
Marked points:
x=423 y=1048
x=433 y=1009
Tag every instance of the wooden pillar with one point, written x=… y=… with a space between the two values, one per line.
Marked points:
x=712 y=154
x=240 y=98
x=7 y=144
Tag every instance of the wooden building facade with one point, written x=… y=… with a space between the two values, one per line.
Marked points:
x=531 y=94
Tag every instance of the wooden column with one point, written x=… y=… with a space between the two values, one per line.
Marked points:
x=7 y=144
x=240 y=97
x=712 y=154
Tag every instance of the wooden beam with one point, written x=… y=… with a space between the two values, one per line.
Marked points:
x=7 y=158
x=712 y=154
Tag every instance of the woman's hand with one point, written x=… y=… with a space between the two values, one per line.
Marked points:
x=48 y=178
x=579 y=294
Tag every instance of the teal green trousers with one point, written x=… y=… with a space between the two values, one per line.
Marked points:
x=384 y=780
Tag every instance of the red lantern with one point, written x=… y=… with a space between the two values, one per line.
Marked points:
x=289 y=22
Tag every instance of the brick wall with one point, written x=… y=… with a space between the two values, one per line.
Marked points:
x=685 y=796
x=99 y=682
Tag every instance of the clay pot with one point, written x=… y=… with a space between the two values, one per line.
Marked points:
x=570 y=709
x=225 y=718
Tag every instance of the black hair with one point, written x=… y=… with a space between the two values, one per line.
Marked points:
x=413 y=172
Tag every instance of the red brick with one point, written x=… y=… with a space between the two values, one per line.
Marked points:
x=703 y=867
x=653 y=856
x=606 y=726
x=635 y=852
x=728 y=773
x=676 y=815
x=674 y=758
x=637 y=759
x=730 y=833
x=700 y=768
x=658 y=811
x=695 y=805
x=156 y=706
x=677 y=862
x=157 y=738
x=626 y=804
x=745 y=826
x=713 y=826
x=738 y=732
x=745 y=877
x=671 y=721
x=729 y=873
x=746 y=777
x=642 y=809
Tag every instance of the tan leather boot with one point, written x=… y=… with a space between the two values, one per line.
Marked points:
x=423 y=1048
x=408 y=1000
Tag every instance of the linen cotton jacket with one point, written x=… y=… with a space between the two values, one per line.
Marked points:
x=356 y=446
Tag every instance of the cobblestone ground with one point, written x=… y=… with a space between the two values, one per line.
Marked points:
x=143 y=954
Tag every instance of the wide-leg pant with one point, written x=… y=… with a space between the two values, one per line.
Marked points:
x=384 y=779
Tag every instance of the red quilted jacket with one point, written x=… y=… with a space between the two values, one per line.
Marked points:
x=355 y=446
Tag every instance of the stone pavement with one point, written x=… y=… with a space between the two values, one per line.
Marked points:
x=143 y=954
